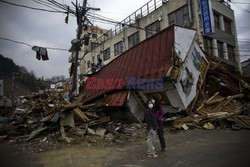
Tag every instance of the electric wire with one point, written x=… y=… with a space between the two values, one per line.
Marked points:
x=239 y=7
x=44 y=4
x=29 y=45
x=33 y=8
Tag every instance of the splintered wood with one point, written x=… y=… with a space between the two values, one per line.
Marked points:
x=217 y=103
x=214 y=109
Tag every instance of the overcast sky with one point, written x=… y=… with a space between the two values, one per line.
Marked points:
x=49 y=30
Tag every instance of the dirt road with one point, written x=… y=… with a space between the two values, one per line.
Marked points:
x=202 y=148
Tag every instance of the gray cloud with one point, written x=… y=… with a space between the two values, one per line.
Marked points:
x=243 y=28
x=45 y=29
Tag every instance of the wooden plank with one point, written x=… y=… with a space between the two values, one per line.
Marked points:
x=211 y=98
x=214 y=101
x=229 y=99
x=208 y=101
x=223 y=104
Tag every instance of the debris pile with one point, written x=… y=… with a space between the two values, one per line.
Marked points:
x=223 y=78
x=47 y=121
x=223 y=101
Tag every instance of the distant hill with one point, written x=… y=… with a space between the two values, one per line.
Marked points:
x=24 y=80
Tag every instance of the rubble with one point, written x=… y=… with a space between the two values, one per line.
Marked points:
x=221 y=102
x=48 y=121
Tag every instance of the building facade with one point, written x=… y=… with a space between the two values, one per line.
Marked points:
x=155 y=16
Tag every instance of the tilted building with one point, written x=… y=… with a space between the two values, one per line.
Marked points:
x=155 y=16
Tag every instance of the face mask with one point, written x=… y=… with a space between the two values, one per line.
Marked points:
x=150 y=105
x=153 y=101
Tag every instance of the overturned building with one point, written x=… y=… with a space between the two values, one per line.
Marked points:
x=169 y=66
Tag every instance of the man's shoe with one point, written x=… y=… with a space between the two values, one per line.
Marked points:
x=163 y=150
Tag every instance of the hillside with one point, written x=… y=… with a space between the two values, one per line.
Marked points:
x=24 y=81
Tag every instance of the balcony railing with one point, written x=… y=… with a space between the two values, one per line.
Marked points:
x=130 y=20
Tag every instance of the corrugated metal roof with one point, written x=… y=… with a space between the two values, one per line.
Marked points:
x=116 y=99
x=150 y=59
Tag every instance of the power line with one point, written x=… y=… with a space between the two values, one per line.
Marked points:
x=62 y=6
x=239 y=7
x=29 y=45
x=237 y=2
x=240 y=2
x=33 y=8
x=45 y=4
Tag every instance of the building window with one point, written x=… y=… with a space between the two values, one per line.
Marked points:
x=88 y=64
x=208 y=46
x=133 y=39
x=179 y=17
x=171 y=18
x=220 y=49
x=216 y=20
x=106 y=54
x=93 y=59
x=227 y=24
x=230 y=52
x=118 y=48
x=196 y=58
x=94 y=45
x=186 y=80
x=153 y=29
x=98 y=56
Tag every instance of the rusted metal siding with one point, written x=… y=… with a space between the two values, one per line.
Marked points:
x=150 y=59
x=116 y=99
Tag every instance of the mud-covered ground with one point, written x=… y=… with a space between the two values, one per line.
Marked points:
x=216 y=148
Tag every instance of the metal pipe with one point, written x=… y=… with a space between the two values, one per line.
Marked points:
x=190 y=11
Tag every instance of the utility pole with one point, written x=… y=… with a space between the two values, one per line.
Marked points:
x=81 y=11
x=81 y=19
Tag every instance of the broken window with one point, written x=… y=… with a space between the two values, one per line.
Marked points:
x=227 y=24
x=171 y=18
x=98 y=56
x=152 y=29
x=186 y=81
x=94 y=35
x=220 y=49
x=196 y=58
x=230 y=52
x=133 y=39
x=208 y=46
x=179 y=17
x=106 y=54
x=118 y=48
x=216 y=20
x=94 y=45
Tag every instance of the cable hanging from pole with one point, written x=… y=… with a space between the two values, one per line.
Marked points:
x=29 y=45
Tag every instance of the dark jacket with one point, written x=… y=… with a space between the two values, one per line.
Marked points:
x=151 y=120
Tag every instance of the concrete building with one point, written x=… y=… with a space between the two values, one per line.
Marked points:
x=155 y=16
x=93 y=33
x=169 y=66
